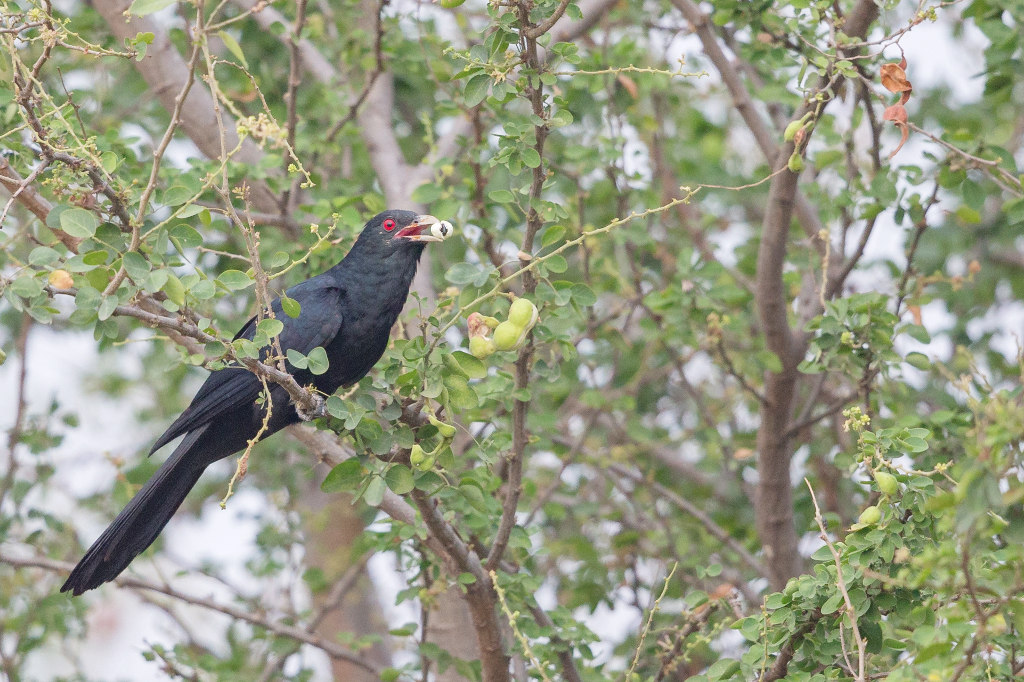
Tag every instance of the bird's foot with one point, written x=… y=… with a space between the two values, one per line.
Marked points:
x=316 y=408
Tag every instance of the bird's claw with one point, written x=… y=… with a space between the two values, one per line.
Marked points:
x=317 y=410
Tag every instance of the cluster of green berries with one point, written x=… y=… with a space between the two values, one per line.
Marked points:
x=423 y=460
x=888 y=485
x=507 y=335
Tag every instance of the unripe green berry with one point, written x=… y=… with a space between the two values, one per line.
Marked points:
x=886 y=482
x=446 y=430
x=791 y=129
x=870 y=516
x=523 y=313
x=796 y=163
x=416 y=456
x=481 y=347
x=507 y=335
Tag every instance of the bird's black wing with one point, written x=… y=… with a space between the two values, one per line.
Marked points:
x=319 y=321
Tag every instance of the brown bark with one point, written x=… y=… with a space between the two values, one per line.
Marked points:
x=774 y=500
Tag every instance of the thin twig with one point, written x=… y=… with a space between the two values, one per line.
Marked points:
x=693 y=510
x=851 y=611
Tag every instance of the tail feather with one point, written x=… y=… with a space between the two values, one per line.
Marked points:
x=138 y=525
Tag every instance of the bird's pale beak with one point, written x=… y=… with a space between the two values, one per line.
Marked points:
x=421 y=229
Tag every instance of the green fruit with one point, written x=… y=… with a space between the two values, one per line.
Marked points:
x=886 y=482
x=451 y=4
x=446 y=430
x=791 y=129
x=870 y=516
x=796 y=163
x=507 y=335
x=416 y=456
x=481 y=347
x=523 y=313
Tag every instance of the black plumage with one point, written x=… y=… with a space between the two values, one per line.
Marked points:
x=348 y=310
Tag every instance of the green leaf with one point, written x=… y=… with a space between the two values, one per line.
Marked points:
x=270 y=326
x=318 y=363
x=476 y=89
x=552 y=235
x=374 y=494
x=297 y=359
x=141 y=8
x=136 y=266
x=107 y=306
x=345 y=476
x=78 y=222
x=460 y=394
x=473 y=367
x=530 y=157
x=427 y=193
x=176 y=195
x=43 y=255
x=290 y=307
x=234 y=279
x=501 y=196
x=186 y=236
x=918 y=360
x=462 y=273
x=582 y=295
x=399 y=478
x=915 y=444
x=98 y=257
x=832 y=604
x=968 y=215
x=174 y=289
x=233 y=46
x=27 y=286
x=556 y=264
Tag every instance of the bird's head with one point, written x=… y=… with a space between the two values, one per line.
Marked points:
x=406 y=228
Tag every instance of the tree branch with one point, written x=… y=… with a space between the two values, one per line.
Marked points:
x=165 y=72
x=298 y=634
x=693 y=510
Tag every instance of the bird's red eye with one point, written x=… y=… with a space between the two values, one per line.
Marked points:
x=389 y=224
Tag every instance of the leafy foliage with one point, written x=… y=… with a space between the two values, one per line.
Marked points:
x=715 y=365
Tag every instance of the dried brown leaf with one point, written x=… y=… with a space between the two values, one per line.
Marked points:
x=894 y=78
x=897 y=113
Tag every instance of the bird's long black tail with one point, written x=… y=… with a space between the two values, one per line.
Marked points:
x=137 y=526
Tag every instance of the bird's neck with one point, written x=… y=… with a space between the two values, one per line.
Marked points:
x=380 y=280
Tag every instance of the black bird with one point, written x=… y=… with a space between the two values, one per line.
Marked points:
x=348 y=310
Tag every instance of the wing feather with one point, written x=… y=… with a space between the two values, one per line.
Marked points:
x=231 y=388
